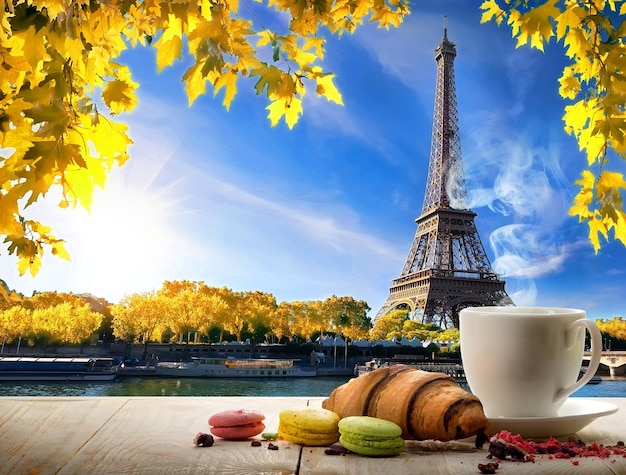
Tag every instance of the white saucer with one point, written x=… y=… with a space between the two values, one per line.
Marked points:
x=575 y=414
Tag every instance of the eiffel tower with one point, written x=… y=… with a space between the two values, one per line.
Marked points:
x=447 y=268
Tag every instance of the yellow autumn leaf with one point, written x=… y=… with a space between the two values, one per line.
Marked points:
x=569 y=84
x=58 y=249
x=290 y=108
x=195 y=82
x=596 y=227
x=326 y=88
x=270 y=79
x=265 y=38
x=577 y=116
x=609 y=181
x=228 y=81
x=293 y=112
x=491 y=11
x=316 y=44
x=170 y=44
x=119 y=95
x=386 y=18
x=620 y=226
x=568 y=20
x=584 y=197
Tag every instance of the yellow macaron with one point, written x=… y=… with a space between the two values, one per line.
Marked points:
x=309 y=426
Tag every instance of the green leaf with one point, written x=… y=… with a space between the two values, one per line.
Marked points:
x=275 y=50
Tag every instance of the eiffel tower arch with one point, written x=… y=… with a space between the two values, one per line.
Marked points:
x=447 y=268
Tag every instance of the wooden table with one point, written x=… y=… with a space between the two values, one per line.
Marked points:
x=154 y=435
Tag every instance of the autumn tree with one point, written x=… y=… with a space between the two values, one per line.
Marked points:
x=238 y=314
x=147 y=311
x=45 y=325
x=11 y=298
x=50 y=299
x=14 y=323
x=259 y=307
x=306 y=318
x=281 y=321
x=184 y=313
x=192 y=306
x=225 y=301
x=615 y=328
x=389 y=326
x=448 y=335
x=592 y=33
x=125 y=324
x=63 y=86
x=421 y=331
x=76 y=323
x=347 y=316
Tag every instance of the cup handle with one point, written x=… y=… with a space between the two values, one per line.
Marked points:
x=596 y=354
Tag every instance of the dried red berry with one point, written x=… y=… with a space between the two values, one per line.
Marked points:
x=203 y=440
x=336 y=449
x=490 y=467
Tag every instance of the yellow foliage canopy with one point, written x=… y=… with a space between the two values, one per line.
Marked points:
x=58 y=60
x=593 y=34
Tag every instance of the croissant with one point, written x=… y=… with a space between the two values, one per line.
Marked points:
x=426 y=405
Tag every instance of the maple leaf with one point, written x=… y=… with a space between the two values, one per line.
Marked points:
x=596 y=227
x=568 y=20
x=326 y=88
x=119 y=94
x=54 y=118
x=608 y=183
x=387 y=18
x=291 y=108
x=492 y=10
x=170 y=44
x=58 y=249
x=569 y=84
x=195 y=82
x=228 y=80
x=584 y=197
x=620 y=227
x=270 y=79
x=534 y=26
x=8 y=212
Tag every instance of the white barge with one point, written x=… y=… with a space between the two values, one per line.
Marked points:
x=233 y=368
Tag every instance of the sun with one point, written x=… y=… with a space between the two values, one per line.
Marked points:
x=128 y=240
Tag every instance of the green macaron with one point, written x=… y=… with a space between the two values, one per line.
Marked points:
x=371 y=436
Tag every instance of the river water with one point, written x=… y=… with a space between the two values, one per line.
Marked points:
x=320 y=386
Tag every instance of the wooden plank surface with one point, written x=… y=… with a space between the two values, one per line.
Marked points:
x=154 y=435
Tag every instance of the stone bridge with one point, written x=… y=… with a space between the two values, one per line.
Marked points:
x=613 y=359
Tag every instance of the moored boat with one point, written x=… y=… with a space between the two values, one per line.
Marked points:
x=454 y=370
x=233 y=368
x=52 y=368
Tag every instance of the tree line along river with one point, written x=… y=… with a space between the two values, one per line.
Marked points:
x=320 y=386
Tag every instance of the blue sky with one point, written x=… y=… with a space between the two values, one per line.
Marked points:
x=330 y=206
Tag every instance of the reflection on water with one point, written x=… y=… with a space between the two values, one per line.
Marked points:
x=615 y=387
x=320 y=386
x=609 y=387
x=314 y=387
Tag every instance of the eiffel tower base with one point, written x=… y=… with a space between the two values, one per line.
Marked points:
x=439 y=298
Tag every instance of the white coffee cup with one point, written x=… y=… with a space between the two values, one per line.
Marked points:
x=525 y=361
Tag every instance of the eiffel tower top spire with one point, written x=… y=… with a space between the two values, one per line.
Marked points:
x=445 y=187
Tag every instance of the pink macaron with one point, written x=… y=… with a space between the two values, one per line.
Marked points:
x=237 y=424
